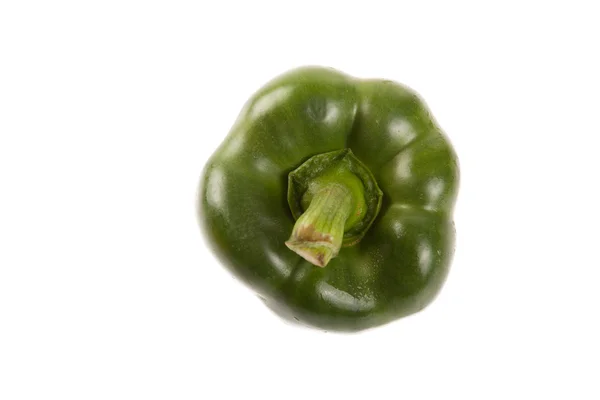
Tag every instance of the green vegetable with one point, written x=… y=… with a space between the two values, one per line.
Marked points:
x=332 y=197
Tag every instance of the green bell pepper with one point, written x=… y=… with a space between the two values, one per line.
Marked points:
x=332 y=197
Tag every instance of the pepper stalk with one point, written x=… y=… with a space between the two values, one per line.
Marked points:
x=334 y=199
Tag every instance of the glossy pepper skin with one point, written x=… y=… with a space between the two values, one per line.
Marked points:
x=402 y=261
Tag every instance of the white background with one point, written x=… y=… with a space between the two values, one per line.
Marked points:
x=109 y=110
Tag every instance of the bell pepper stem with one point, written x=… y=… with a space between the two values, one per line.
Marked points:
x=318 y=233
